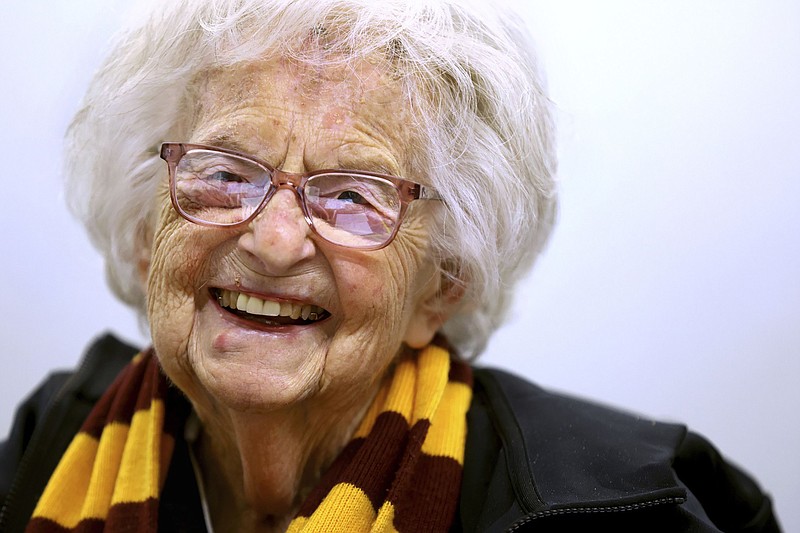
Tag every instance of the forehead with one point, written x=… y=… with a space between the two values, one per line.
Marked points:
x=355 y=104
x=365 y=80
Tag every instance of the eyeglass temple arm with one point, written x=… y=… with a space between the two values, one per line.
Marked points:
x=426 y=193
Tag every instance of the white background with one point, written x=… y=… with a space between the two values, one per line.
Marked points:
x=671 y=286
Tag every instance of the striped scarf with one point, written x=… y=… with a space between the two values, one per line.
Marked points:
x=401 y=472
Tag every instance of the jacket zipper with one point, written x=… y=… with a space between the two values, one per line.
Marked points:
x=34 y=444
x=592 y=509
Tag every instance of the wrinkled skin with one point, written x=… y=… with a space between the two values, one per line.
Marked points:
x=278 y=404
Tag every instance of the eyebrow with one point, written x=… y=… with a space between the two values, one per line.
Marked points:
x=224 y=141
x=348 y=161
x=229 y=142
x=355 y=162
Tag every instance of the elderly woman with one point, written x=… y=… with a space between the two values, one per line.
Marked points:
x=321 y=209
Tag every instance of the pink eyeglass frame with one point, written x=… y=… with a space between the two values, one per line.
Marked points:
x=408 y=191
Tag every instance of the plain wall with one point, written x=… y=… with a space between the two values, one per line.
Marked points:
x=671 y=286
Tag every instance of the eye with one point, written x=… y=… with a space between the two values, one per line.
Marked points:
x=224 y=177
x=352 y=197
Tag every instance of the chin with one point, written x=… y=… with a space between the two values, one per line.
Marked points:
x=255 y=390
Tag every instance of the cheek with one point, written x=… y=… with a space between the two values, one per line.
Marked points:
x=180 y=253
x=379 y=291
x=371 y=291
x=175 y=278
x=174 y=264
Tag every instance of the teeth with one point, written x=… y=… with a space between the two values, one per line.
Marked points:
x=254 y=306
x=257 y=306
x=225 y=298
x=241 y=302
x=271 y=308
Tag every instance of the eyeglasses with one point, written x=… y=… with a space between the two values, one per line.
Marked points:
x=222 y=188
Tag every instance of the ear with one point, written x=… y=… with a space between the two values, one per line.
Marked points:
x=441 y=298
x=144 y=245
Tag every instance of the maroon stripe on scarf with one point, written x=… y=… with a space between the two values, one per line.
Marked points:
x=442 y=342
x=460 y=372
x=138 y=516
x=152 y=386
x=119 y=401
x=143 y=514
x=330 y=478
x=370 y=464
x=134 y=390
x=45 y=525
x=410 y=455
x=431 y=497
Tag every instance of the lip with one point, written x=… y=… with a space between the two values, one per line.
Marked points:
x=240 y=321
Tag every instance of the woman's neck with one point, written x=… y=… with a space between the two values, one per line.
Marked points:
x=258 y=468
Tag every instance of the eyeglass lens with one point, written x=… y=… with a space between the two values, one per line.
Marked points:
x=346 y=208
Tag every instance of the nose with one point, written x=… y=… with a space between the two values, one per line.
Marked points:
x=279 y=237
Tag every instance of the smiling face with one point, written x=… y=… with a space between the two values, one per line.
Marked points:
x=355 y=308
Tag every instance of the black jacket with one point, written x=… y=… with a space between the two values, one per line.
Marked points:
x=535 y=461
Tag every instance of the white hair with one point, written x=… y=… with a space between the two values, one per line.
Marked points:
x=485 y=131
